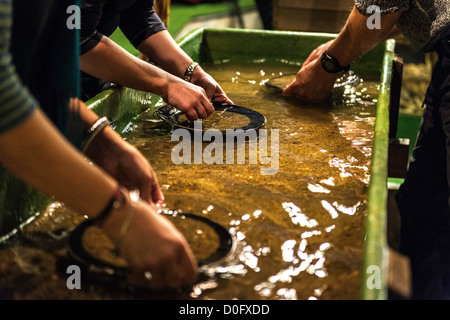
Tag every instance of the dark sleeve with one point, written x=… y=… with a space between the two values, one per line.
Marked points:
x=386 y=6
x=140 y=21
x=91 y=13
x=16 y=102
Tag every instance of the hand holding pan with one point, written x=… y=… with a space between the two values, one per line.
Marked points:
x=92 y=250
x=254 y=119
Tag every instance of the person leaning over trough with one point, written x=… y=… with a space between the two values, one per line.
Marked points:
x=34 y=145
x=180 y=81
x=423 y=198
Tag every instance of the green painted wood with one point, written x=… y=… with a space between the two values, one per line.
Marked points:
x=375 y=264
x=122 y=106
x=19 y=203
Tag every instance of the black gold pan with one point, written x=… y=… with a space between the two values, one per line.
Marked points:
x=113 y=269
x=175 y=117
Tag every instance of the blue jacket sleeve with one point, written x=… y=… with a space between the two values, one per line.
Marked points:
x=140 y=21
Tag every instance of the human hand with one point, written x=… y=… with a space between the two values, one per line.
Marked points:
x=317 y=53
x=126 y=164
x=211 y=87
x=312 y=83
x=188 y=98
x=157 y=254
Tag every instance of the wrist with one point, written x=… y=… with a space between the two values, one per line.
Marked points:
x=107 y=143
x=94 y=131
x=190 y=70
x=331 y=64
x=198 y=74
x=113 y=203
x=117 y=222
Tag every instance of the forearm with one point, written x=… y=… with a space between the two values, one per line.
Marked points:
x=165 y=52
x=109 y=62
x=49 y=163
x=356 y=38
x=107 y=140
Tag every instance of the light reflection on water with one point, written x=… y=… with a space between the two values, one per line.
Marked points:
x=299 y=232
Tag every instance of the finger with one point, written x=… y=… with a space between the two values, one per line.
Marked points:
x=223 y=99
x=191 y=114
x=157 y=194
x=209 y=108
x=308 y=60
x=201 y=112
x=210 y=90
x=314 y=55
x=173 y=277
x=290 y=89
x=228 y=100
x=145 y=190
x=158 y=280
x=220 y=96
x=188 y=267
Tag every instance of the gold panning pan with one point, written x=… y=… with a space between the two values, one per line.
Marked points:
x=93 y=251
x=226 y=117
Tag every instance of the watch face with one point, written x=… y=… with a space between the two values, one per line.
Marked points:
x=329 y=63
x=329 y=66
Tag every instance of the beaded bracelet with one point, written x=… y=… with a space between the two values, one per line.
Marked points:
x=190 y=71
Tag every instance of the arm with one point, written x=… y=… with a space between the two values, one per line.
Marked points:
x=145 y=30
x=104 y=59
x=119 y=159
x=356 y=39
x=151 y=244
x=313 y=82
x=51 y=156
x=163 y=49
x=110 y=62
x=35 y=151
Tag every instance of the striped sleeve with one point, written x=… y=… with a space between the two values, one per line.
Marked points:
x=16 y=102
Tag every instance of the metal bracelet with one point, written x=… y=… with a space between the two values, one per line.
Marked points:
x=134 y=196
x=94 y=130
x=190 y=71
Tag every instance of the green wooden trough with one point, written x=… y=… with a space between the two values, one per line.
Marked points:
x=20 y=203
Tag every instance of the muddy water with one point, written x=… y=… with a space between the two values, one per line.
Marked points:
x=299 y=229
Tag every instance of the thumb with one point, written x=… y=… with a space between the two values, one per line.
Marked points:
x=290 y=89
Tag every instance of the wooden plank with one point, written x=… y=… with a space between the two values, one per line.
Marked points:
x=399 y=276
x=308 y=20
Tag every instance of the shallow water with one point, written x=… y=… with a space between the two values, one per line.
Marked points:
x=299 y=229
